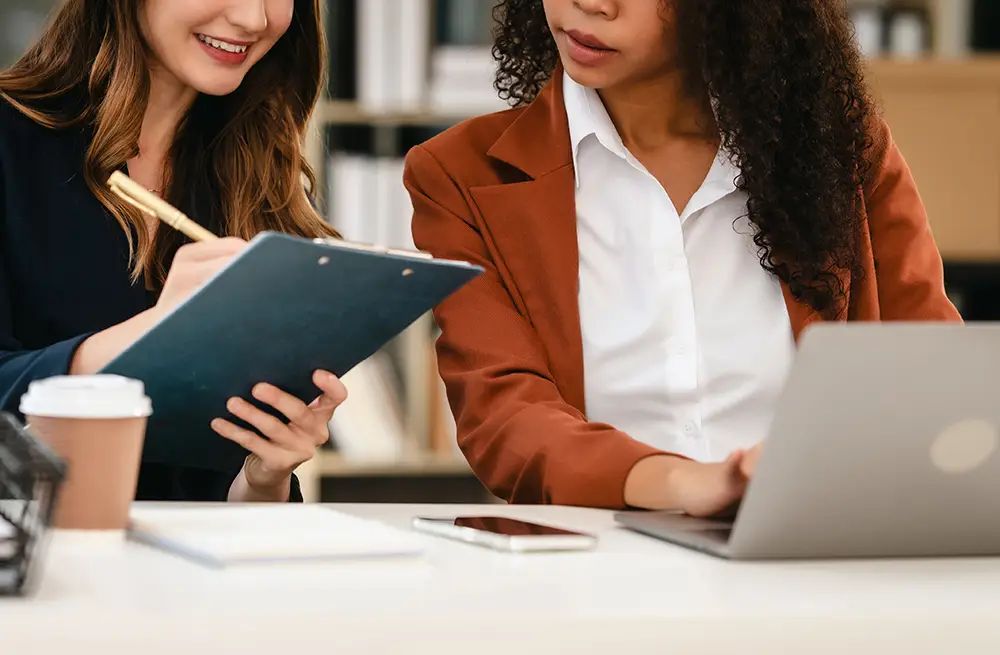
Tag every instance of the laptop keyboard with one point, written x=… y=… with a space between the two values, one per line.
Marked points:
x=720 y=534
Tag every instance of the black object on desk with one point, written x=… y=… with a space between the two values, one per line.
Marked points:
x=285 y=307
x=31 y=476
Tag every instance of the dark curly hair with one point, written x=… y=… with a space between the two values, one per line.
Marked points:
x=792 y=110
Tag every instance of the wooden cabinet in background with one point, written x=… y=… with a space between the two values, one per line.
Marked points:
x=945 y=117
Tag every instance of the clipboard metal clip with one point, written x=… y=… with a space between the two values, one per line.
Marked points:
x=367 y=247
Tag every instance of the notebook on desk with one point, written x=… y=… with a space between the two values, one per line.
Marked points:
x=231 y=535
x=283 y=308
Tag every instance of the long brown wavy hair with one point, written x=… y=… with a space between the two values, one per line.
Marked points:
x=792 y=108
x=237 y=163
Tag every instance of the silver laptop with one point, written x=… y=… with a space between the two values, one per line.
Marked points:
x=885 y=443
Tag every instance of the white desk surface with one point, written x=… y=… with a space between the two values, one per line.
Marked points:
x=99 y=594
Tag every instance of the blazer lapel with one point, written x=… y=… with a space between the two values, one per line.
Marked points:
x=532 y=222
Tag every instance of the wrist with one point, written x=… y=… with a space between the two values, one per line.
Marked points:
x=253 y=485
x=78 y=363
x=278 y=492
x=655 y=482
x=98 y=350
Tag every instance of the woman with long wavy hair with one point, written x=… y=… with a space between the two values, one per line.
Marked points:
x=204 y=102
x=680 y=189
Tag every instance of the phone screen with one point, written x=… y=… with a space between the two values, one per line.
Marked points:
x=506 y=527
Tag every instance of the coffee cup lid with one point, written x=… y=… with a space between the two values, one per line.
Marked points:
x=86 y=396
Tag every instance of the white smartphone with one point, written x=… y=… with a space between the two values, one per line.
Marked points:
x=505 y=534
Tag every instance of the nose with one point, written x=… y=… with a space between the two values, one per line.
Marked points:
x=249 y=15
x=607 y=9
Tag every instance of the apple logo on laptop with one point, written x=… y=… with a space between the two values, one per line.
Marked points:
x=965 y=446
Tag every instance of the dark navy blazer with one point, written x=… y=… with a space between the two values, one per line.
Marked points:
x=64 y=275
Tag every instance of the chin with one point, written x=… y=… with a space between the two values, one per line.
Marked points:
x=593 y=78
x=218 y=87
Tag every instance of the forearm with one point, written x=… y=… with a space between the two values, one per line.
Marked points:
x=100 y=349
x=242 y=492
x=542 y=451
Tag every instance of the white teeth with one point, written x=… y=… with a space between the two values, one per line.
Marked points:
x=222 y=45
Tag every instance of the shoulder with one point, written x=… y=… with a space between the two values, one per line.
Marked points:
x=461 y=151
x=24 y=141
x=879 y=157
x=14 y=122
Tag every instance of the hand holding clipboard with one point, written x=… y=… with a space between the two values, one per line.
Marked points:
x=281 y=309
x=276 y=447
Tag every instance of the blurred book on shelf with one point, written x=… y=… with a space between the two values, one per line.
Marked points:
x=342 y=44
x=892 y=29
x=462 y=66
x=369 y=425
x=412 y=56
x=415 y=55
x=986 y=26
x=394 y=39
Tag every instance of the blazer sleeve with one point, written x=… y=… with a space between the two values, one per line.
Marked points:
x=20 y=366
x=522 y=439
x=908 y=266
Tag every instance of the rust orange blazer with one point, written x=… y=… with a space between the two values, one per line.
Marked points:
x=498 y=191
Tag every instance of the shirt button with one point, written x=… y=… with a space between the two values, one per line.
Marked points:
x=689 y=428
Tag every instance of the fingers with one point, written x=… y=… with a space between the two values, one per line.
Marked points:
x=291 y=407
x=749 y=464
x=334 y=393
x=271 y=453
x=208 y=250
x=734 y=463
x=202 y=270
x=306 y=428
x=270 y=426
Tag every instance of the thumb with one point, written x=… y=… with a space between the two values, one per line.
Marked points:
x=739 y=466
x=332 y=387
x=749 y=464
x=734 y=462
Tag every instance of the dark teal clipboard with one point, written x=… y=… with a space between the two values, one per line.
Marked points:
x=285 y=307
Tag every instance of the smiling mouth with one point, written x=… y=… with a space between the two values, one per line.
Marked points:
x=224 y=46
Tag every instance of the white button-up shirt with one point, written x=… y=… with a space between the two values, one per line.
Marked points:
x=686 y=339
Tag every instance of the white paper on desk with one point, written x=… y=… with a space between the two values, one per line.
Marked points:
x=265 y=533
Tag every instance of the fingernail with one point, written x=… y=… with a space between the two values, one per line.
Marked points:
x=259 y=390
x=233 y=404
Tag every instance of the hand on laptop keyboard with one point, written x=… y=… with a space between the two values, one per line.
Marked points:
x=695 y=488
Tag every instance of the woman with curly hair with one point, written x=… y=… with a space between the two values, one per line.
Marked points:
x=682 y=187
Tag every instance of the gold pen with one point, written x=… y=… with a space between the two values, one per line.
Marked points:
x=136 y=195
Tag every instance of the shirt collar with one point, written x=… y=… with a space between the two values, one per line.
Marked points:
x=587 y=116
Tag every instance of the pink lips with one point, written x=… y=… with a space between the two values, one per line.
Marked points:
x=586 y=49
